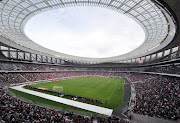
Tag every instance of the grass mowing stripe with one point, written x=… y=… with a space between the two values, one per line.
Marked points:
x=113 y=90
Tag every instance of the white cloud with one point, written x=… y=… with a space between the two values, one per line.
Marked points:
x=85 y=31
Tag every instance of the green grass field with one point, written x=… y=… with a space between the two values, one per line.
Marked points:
x=92 y=87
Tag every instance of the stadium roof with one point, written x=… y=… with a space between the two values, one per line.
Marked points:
x=158 y=25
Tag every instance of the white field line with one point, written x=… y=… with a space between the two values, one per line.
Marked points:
x=81 y=105
x=113 y=91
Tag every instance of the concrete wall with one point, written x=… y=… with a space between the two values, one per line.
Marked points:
x=136 y=118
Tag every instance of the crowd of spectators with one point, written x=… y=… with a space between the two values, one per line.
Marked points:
x=136 y=77
x=158 y=98
x=9 y=66
x=171 y=69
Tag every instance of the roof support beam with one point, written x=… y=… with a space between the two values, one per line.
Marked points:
x=133 y=7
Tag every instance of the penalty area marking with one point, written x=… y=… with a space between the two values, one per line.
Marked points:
x=89 y=107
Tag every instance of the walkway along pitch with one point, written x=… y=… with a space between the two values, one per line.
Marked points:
x=81 y=105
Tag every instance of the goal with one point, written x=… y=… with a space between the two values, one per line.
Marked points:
x=58 y=88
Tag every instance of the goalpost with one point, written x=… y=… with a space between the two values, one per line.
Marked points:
x=58 y=88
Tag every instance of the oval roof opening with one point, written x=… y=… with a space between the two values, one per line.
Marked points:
x=85 y=31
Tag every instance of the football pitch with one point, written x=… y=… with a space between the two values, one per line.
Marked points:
x=110 y=89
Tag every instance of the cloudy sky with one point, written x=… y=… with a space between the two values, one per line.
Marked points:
x=85 y=31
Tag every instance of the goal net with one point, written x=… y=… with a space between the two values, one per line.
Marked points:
x=58 y=88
